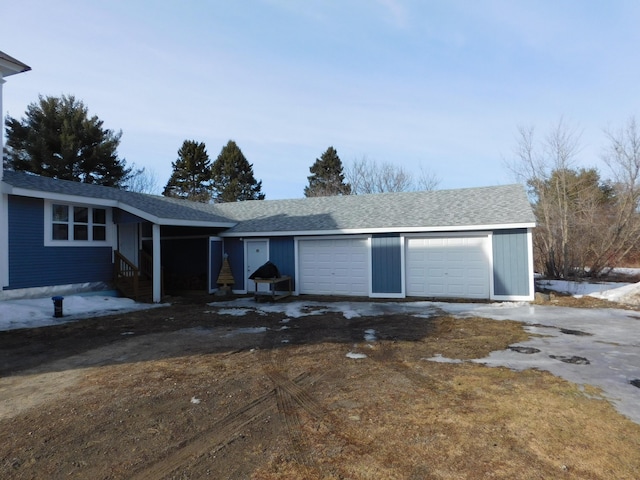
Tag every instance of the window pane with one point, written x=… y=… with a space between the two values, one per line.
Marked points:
x=80 y=214
x=60 y=213
x=99 y=233
x=80 y=232
x=60 y=231
x=99 y=216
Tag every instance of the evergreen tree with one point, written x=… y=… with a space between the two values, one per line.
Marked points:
x=58 y=139
x=327 y=177
x=232 y=176
x=191 y=177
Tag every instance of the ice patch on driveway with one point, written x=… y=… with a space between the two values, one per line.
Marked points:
x=606 y=354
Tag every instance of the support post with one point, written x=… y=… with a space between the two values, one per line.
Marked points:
x=157 y=266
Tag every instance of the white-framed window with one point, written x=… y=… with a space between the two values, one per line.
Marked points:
x=76 y=225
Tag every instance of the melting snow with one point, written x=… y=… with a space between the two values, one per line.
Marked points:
x=356 y=356
x=611 y=346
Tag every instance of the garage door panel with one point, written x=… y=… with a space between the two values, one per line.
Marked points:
x=333 y=267
x=448 y=267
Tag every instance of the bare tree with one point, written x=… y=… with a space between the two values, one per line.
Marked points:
x=545 y=167
x=369 y=176
x=142 y=180
x=427 y=180
x=622 y=156
x=585 y=225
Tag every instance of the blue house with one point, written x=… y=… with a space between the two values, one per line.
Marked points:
x=58 y=236
x=472 y=243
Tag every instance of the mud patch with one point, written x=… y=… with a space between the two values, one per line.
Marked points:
x=573 y=359
x=525 y=350
x=635 y=382
x=579 y=333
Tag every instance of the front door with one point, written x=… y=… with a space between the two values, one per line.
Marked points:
x=257 y=255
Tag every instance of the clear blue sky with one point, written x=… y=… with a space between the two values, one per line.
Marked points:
x=433 y=85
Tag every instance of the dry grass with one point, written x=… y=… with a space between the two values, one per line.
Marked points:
x=416 y=419
x=392 y=415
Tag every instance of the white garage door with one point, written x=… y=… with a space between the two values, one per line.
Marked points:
x=448 y=267
x=333 y=267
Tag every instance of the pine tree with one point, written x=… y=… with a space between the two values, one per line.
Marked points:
x=191 y=177
x=232 y=176
x=58 y=139
x=327 y=177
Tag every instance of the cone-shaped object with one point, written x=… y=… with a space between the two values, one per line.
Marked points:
x=226 y=277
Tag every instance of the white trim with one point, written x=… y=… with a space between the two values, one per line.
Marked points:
x=79 y=199
x=491 y=267
x=111 y=236
x=478 y=233
x=512 y=298
x=245 y=252
x=157 y=265
x=403 y=291
x=387 y=295
x=370 y=231
x=532 y=281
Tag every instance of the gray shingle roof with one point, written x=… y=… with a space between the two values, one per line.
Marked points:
x=470 y=207
x=161 y=209
x=458 y=209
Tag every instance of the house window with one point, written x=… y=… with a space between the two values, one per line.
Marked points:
x=77 y=224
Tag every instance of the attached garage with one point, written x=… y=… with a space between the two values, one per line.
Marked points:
x=333 y=266
x=473 y=243
x=456 y=266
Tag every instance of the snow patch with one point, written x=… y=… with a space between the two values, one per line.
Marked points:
x=356 y=356
x=370 y=335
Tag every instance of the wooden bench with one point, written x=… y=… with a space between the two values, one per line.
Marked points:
x=273 y=293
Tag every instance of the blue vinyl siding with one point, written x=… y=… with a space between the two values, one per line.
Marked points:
x=282 y=254
x=511 y=262
x=234 y=248
x=386 y=264
x=31 y=264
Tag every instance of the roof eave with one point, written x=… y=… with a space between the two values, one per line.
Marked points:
x=105 y=202
x=371 y=231
x=11 y=66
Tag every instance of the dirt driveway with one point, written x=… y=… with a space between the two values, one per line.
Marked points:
x=186 y=392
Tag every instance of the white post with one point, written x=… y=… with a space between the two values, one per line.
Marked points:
x=157 y=273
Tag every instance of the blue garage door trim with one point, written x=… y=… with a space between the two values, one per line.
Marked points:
x=511 y=263
x=386 y=264
x=282 y=254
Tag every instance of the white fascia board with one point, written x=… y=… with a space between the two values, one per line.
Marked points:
x=104 y=202
x=61 y=197
x=11 y=66
x=193 y=223
x=513 y=298
x=369 y=231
